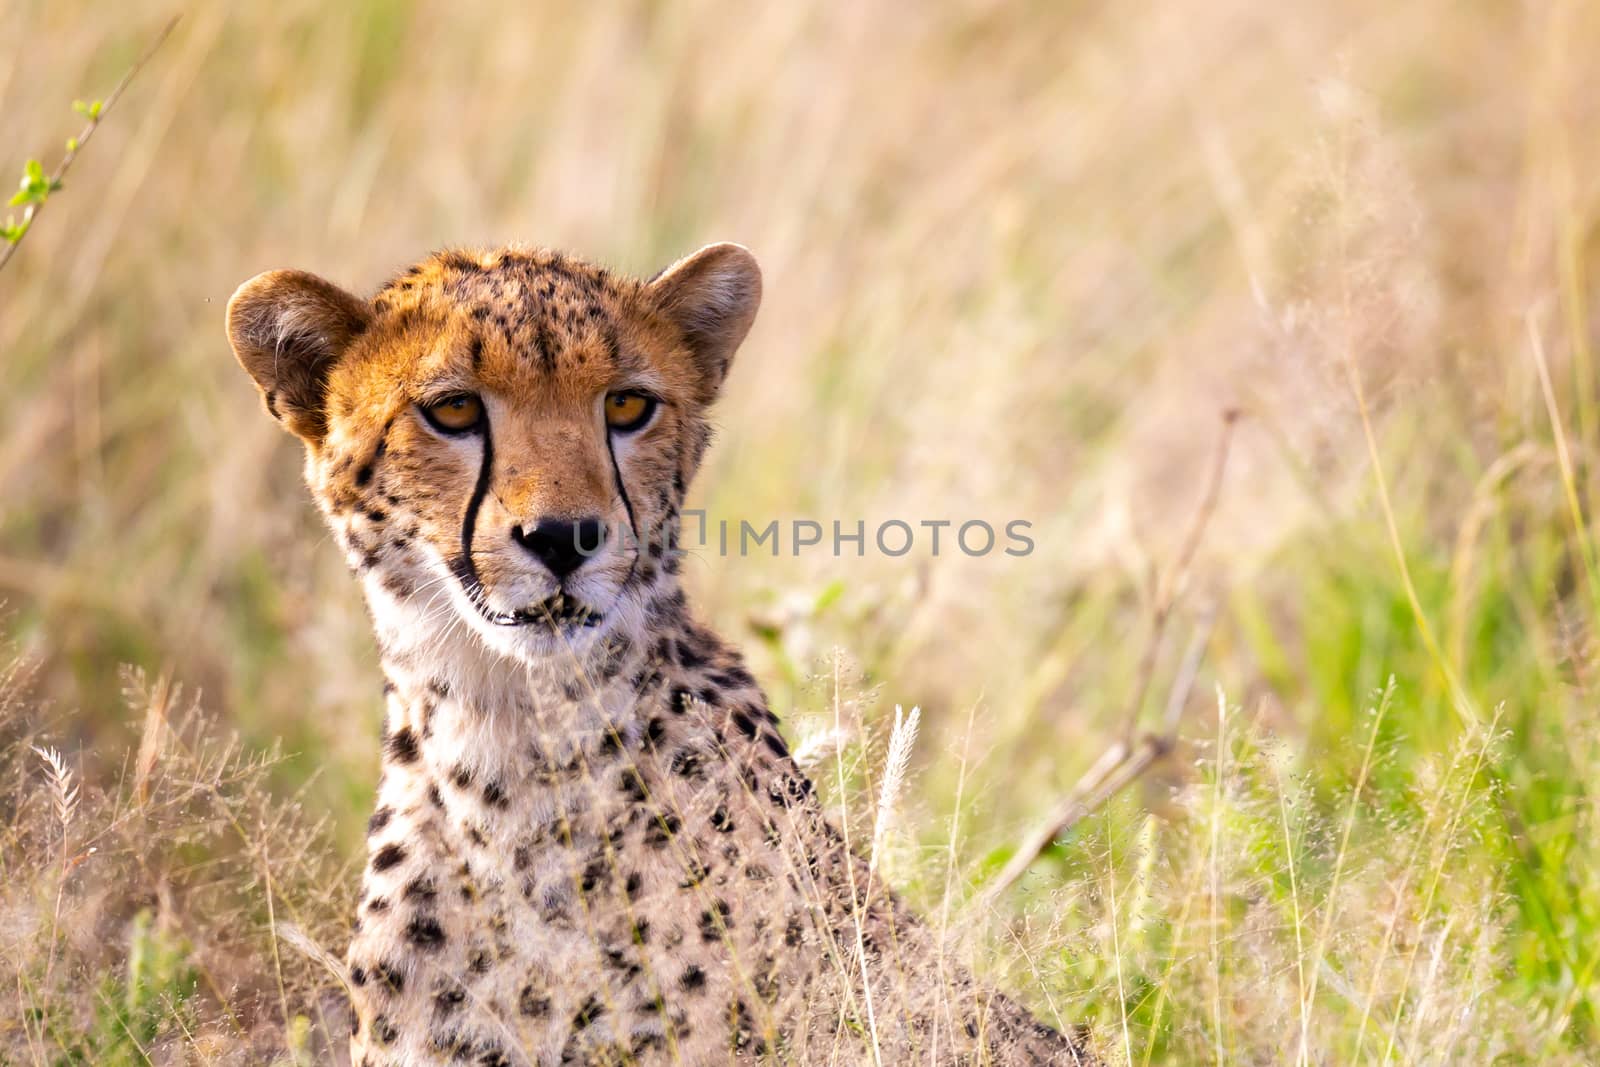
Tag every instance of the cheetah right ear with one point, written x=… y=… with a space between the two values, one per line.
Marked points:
x=288 y=328
x=712 y=296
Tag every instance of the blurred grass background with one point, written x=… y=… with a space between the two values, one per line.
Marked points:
x=1019 y=259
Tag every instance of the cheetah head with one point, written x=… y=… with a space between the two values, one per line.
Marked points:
x=502 y=440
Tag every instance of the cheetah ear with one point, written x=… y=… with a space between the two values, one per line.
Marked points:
x=712 y=296
x=288 y=328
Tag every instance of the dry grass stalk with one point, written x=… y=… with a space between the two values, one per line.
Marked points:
x=63 y=788
x=1126 y=759
x=896 y=763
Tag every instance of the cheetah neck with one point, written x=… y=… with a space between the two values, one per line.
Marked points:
x=473 y=712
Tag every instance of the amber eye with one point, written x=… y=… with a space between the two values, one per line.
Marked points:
x=629 y=411
x=455 y=414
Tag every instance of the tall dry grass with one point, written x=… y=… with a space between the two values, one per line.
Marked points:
x=1019 y=258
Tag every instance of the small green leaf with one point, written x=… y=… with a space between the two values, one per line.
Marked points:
x=13 y=230
x=828 y=597
x=34 y=186
x=72 y=144
x=90 y=111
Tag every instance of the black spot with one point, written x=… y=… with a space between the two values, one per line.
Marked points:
x=591 y=1010
x=721 y=821
x=531 y=1004
x=693 y=978
x=358 y=976
x=384 y=1030
x=480 y=961
x=390 y=976
x=631 y=785
x=421 y=889
x=402 y=745
x=690 y=657
x=744 y=724
x=379 y=820
x=449 y=1001
x=617 y=958
x=788 y=790
x=494 y=795
x=449 y=1043
x=597 y=873
x=461 y=776
x=379 y=904
x=775 y=744
x=388 y=856
x=679 y=700
x=714 y=920
x=425 y=932
x=686 y=764
x=661 y=830
x=743 y=1026
x=654 y=731
x=477 y=344
x=632 y=884
x=694 y=873
x=434 y=796
x=734 y=677
x=364 y=475
x=645 y=1040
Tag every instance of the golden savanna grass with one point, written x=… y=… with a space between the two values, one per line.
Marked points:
x=1020 y=260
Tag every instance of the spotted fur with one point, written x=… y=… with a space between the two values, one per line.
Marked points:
x=590 y=844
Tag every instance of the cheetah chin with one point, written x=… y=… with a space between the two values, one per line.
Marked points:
x=560 y=614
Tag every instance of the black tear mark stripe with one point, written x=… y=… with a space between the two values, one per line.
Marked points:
x=627 y=505
x=465 y=569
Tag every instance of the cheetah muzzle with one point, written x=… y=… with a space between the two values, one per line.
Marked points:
x=590 y=844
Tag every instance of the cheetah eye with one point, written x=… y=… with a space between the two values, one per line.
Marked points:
x=454 y=414
x=626 y=412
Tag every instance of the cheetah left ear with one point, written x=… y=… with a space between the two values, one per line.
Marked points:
x=288 y=328
x=712 y=296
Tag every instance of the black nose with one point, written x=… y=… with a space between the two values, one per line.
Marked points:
x=560 y=545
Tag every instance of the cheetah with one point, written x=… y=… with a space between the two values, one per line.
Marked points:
x=590 y=844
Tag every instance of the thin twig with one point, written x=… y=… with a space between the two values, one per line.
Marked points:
x=1169 y=585
x=78 y=143
x=1127 y=759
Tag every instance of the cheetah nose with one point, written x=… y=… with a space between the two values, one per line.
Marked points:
x=560 y=545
